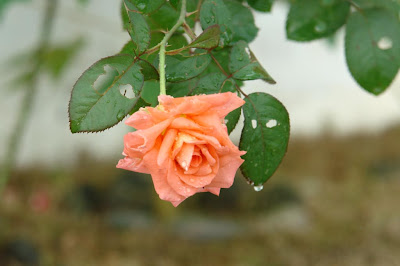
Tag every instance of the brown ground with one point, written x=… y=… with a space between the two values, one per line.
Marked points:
x=334 y=201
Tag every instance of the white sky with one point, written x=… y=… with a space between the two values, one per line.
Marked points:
x=313 y=81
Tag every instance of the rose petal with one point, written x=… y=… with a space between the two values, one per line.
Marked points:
x=184 y=105
x=228 y=166
x=133 y=164
x=176 y=183
x=166 y=145
x=184 y=157
x=185 y=123
x=141 y=141
x=184 y=138
x=140 y=120
x=163 y=189
x=221 y=104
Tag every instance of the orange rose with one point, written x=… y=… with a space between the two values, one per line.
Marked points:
x=184 y=144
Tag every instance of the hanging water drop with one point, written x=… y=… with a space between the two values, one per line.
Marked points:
x=258 y=188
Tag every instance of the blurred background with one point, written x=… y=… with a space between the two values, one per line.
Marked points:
x=333 y=201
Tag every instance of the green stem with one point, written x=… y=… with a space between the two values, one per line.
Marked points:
x=27 y=102
x=181 y=20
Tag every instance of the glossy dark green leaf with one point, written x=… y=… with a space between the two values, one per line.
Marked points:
x=244 y=65
x=261 y=5
x=180 y=89
x=373 y=48
x=148 y=70
x=242 y=23
x=150 y=92
x=105 y=94
x=163 y=18
x=232 y=118
x=215 y=12
x=208 y=39
x=265 y=136
x=138 y=28
x=210 y=84
x=124 y=16
x=185 y=67
x=392 y=6
x=312 y=19
x=147 y=6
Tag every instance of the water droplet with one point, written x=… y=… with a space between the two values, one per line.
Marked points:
x=271 y=123
x=385 y=43
x=254 y=123
x=258 y=188
x=320 y=27
x=226 y=121
x=192 y=180
x=141 y=6
x=120 y=114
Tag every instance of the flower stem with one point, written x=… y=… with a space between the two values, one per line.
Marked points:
x=181 y=20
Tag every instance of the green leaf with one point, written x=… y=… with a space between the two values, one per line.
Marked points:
x=186 y=67
x=208 y=39
x=180 y=89
x=163 y=18
x=390 y=5
x=244 y=65
x=232 y=118
x=150 y=92
x=313 y=19
x=265 y=136
x=146 y=6
x=261 y=5
x=148 y=70
x=105 y=94
x=242 y=23
x=138 y=28
x=215 y=12
x=210 y=84
x=124 y=16
x=373 y=48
